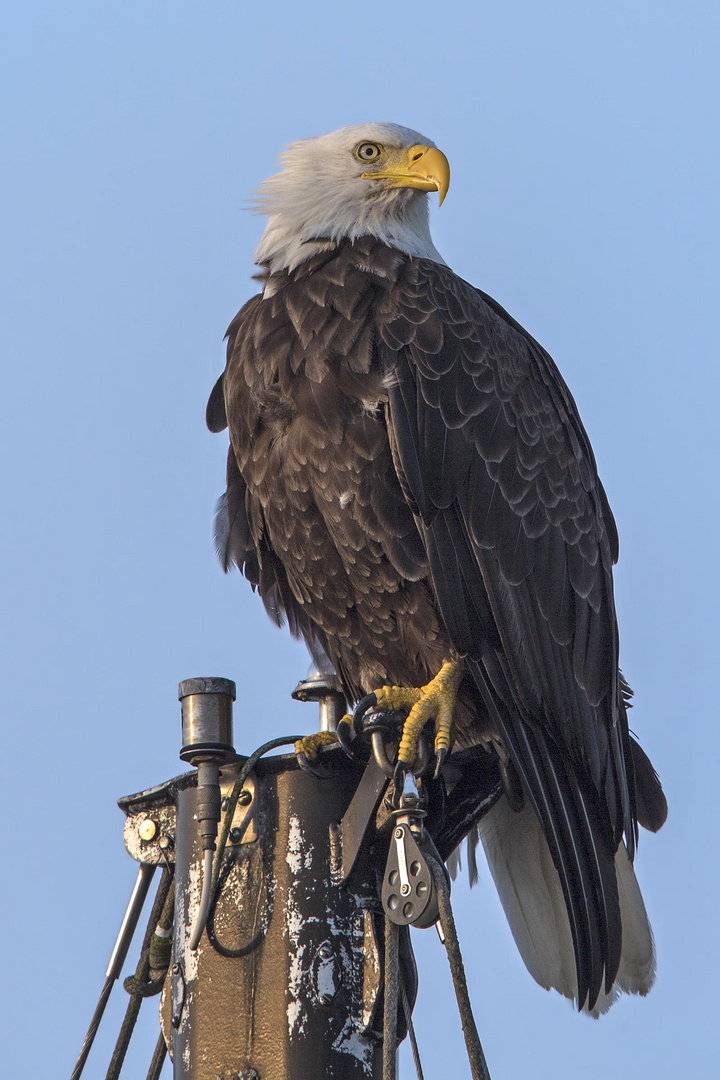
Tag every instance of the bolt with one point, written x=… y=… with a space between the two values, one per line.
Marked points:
x=398 y=834
x=147 y=829
x=166 y=843
x=405 y=889
x=225 y=803
x=325 y=951
x=245 y=798
x=236 y=835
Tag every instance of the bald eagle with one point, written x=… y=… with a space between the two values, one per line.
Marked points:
x=410 y=487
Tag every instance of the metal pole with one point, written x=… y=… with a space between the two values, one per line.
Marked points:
x=286 y=981
x=117 y=959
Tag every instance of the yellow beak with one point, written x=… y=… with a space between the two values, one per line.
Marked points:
x=427 y=169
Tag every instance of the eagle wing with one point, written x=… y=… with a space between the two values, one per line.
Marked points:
x=499 y=470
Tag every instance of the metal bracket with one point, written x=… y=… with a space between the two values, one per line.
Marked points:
x=149 y=835
x=243 y=828
x=347 y=836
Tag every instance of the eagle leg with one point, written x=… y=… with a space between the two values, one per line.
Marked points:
x=436 y=699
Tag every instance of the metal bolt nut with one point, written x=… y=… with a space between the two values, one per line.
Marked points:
x=147 y=829
x=405 y=889
x=398 y=834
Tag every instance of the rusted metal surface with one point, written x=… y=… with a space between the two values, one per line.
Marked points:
x=288 y=984
x=296 y=998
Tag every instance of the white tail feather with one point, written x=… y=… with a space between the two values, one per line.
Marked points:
x=531 y=895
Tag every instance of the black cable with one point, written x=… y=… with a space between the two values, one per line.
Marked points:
x=224 y=950
x=93 y=1029
x=140 y=979
x=218 y=878
x=247 y=768
x=158 y=1059
x=411 y=1031
x=390 y=1005
x=476 y=1057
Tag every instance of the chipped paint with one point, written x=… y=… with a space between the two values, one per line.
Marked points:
x=323 y=954
x=350 y=1042
x=298 y=856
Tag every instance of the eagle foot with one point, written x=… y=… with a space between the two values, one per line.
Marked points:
x=435 y=700
x=308 y=748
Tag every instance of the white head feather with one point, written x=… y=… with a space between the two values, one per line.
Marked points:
x=319 y=198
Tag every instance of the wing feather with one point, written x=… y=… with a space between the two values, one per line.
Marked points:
x=521 y=540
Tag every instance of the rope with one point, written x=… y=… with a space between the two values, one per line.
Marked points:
x=390 y=1005
x=137 y=985
x=411 y=1031
x=478 y=1065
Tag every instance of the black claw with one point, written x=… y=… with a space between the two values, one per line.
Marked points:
x=439 y=762
x=355 y=748
x=303 y=762
x=363 y=706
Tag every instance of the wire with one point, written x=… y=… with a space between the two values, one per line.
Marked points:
x=117 y=959
x=136 y=982
x=211 y=867
x=93 y=1029
x=158 y=1059
x=411 y=1031
x=205 y=898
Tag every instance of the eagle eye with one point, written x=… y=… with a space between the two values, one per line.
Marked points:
x=368 y=151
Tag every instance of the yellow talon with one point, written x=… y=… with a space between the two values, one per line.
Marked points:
x=398 y=697
x=311 y=745
x=437 y=699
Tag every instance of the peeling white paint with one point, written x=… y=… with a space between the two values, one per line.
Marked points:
x=194 y=890
x=299 y=854
x=308 y=976
x=349 y=1042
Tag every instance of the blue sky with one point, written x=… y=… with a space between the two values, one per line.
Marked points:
x=584 y=198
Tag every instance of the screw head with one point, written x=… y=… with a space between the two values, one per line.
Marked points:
x=244 y=798
x=398 y=834
x=147 y=829
x=166 y=843
x=235 y=835
x=325 y=951
x=405 y=889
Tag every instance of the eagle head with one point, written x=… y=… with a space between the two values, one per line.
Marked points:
x=369 y=179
